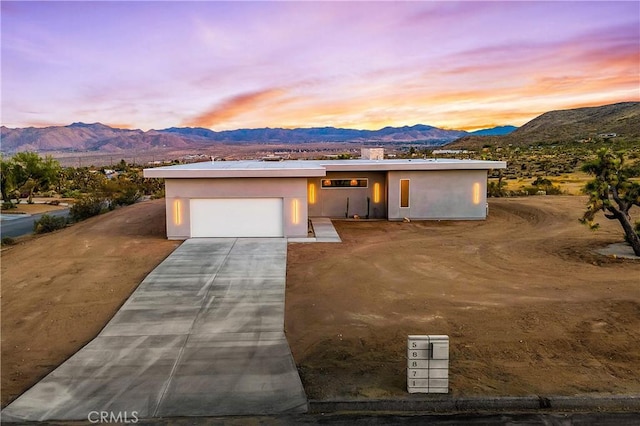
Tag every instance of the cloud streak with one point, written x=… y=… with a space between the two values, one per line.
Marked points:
x=235 y=106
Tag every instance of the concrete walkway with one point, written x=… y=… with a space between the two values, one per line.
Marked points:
x=201 y=336
x=324 y=230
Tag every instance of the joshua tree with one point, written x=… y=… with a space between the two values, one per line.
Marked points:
x=612 y=192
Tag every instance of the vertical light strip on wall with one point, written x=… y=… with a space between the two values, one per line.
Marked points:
x=476 y=193
x=312 y=193
x=376 y=192
x=177 y=212
x=295 y=212
x=404 y=192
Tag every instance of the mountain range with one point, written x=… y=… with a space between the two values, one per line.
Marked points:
x=562 y=126
x=102 y=138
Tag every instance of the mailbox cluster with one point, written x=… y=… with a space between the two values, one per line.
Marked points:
x=428 y=364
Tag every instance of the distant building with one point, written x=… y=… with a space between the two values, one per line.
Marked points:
x=372 y=154
x=449 y=151
x=608 y=135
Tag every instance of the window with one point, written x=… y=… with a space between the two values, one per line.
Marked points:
x=344 y=183
x=404 y=192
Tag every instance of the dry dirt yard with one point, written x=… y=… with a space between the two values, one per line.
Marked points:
x=528 y=307
x=60 y=289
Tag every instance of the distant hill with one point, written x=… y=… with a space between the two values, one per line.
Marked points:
x=495 y=131
x=98 y=137
x=417 y=133
x=86 y=137
x=557 y=127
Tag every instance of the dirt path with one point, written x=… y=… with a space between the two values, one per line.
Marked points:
x=528 y=307
x=60 y=289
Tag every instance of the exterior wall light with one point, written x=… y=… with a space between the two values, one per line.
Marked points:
x=177 y=212
x=295 y=211
x=376 y=192
x=476 y=193
x=312 y=193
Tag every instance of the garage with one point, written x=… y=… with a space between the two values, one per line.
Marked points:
x=236 y=217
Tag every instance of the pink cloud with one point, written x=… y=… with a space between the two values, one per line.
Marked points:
x=232 y=107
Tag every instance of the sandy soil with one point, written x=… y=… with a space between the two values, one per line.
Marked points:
x=528 y=307
x=60 y=289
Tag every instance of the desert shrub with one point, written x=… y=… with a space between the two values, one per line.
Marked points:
x=158 y=194
x=8 y=241
x=544 y=184
x=554 y=190
x=49 y=223
x=120 y=192
x=6 y=205
x=71 y=193
x=86 y=207
x=128 y=194
x=496 y=189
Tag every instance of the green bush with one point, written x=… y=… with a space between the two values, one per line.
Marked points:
x=158 y=194
x=8 y=241
x=49 y=224
x=73 y=193
x=86 y=207
x=6 y=205
x=128 y=194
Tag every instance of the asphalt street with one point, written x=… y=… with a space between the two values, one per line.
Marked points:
x=18 y=225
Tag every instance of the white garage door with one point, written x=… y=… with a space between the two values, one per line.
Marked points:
x=236 y=217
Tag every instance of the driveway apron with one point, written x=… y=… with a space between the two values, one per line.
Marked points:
x=203 y=335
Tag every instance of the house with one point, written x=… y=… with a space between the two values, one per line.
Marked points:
x=276 y=198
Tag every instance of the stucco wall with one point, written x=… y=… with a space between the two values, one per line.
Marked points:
x=446 y=194
x=332 y=202
x=178 y=192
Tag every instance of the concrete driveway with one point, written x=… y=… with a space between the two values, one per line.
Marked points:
x=203 y=335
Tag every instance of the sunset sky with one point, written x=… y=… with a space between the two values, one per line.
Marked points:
x=228 y=65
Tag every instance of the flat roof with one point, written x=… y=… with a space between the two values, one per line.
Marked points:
x=310 y=168
x=232 y=169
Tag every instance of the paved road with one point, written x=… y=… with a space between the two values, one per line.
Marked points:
x=383 y=419
x=18 y=225
x=417 y=419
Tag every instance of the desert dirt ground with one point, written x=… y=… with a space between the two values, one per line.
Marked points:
x=528 y=306
x=60 y=289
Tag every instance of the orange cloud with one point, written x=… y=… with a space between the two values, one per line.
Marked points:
x=120 y=125
x=233 y=107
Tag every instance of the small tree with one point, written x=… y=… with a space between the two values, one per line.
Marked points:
x=612 y=192
x=7 y=181
x=31 y=173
